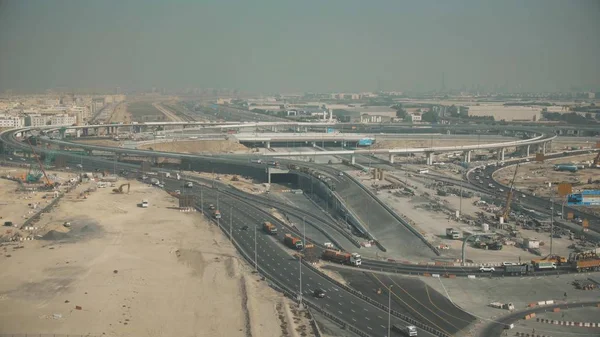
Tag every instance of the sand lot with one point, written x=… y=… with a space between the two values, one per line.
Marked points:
x=121 y=270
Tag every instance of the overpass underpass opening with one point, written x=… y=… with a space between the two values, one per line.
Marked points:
x=283 y=177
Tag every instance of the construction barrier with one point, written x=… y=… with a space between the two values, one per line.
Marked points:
x=568 y=323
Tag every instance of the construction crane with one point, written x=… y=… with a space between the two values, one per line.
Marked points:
x=37 y=158
x=120 y=189
x=509 y=196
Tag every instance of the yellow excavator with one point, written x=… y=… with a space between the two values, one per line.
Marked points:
x=120 y=189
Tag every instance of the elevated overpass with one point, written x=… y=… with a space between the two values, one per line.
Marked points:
x=540 y=140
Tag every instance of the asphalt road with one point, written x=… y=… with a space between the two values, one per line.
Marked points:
x=412 y=297
x=278 y=262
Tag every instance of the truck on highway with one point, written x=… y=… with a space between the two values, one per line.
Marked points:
x=332 y=255
x=293 y=242
x=544 y=265
x=522 y=269
x=586 y=265
x=217 y=214
x=189 y=184
x=269 y=228
x=406 y=330
x=256 y=161
x=273 y=163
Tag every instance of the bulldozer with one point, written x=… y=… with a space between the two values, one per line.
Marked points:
x=120 y=189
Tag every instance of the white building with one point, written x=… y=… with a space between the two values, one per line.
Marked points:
x=35 y=120
x=63 y=119
x=416 y=117
x=7 y=121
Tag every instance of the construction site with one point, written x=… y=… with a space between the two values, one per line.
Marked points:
x=445 y=215
x=97 y=261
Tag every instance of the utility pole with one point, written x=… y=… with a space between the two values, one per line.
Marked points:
x=460 y=202
x=551 y=220
x=300 y=262
x=201 y=201
x=389 y=333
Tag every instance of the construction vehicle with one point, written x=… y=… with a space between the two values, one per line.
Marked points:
x=544 y=265
x=216 y=214
x=570 y=168
x=585 y=261
x=406 y=330
x=551 y=258
x=145 y=203
x=293 y=242
x=509 y=196
x=353 y=259
x=120 y=189
x=37 y=159
x=453 y=234
x=514 y=270
x=498 y=305
x=586 y=265
x=269 y=228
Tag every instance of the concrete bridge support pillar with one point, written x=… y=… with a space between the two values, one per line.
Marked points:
x=268 y=145
x=78 y=133
x=313 y=144
x=343 y=143
x=528 y=147
x=89 y=152
x=429 y=158
x=448 y=132
x=544 y=148
x=273 y=128
x=391 y=158
x=467 y=156
x=352 y=159
x=501 y=154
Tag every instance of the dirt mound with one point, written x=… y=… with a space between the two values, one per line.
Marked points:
x=55 y=236
x=198 y=146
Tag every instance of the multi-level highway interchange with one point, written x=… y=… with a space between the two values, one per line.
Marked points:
x=352 y=306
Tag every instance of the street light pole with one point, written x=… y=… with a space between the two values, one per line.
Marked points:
x=201 y=202
x=389 y=333
x=551 y=221
x=255 y=251
x=300 y=261
x=460 y=202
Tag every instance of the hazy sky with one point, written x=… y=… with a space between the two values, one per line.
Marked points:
x=284 y=46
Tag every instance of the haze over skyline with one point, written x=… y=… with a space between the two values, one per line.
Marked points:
x=285 y=46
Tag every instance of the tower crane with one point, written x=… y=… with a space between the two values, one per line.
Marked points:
x=509 y=196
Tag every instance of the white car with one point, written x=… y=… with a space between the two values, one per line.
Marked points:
x=487 y=269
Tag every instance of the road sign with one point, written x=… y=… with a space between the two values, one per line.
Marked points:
x=565 y=189
x=585 y=198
